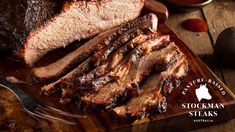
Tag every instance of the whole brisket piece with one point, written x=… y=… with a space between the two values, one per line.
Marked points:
x=151 y=99
x=107 y=96
x=43 y=25
x=146 y=24
x=102 y=40
x=153 y=43
x=19 y=18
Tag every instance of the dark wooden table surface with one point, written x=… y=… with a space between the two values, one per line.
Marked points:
x=219 y=15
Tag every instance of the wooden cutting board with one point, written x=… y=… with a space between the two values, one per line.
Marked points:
x=180 y=114
x=177 y=117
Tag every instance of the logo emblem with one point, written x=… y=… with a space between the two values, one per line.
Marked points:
x=202 y=111
x=202 y=93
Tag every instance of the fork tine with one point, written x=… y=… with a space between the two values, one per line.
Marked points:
x=57 y=111
x=48 y=117
x=27 y=102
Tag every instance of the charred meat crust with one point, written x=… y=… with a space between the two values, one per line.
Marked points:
x=173 y=80
x=128 y=83
x=79 y=20
x=123 y=67
x=152 y=100
x=110 y=63
x=70 y=61
x=30 y=15
x=145 y=23
x=140 y=106
x=38 y=26
x=100 y=41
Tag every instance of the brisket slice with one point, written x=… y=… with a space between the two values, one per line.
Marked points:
x=140 y=106
x=151 y=99
x=107 y=96
x=102 y=40
x=38 y=27
x=110 y=63
x=65 y=64
x=173 y=80
x=148 y=25
x=170 y=78
x=155 y=42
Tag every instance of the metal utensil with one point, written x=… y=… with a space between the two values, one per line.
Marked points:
x=37 y=109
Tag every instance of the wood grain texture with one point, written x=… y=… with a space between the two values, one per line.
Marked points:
x=14 y=118
x=12 y=115
x=199 y=43
x=219 y=16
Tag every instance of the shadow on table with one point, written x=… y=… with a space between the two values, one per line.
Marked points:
x=212 y=62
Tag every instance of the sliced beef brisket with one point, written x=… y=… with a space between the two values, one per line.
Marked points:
x=108 y=95
x=102 y=40
x=173 y=78
x=110 y=63
x=141 y=106
x=65 y=64
x=148 y=25
x=41 y=26
x=151 y=99
x=155 y=42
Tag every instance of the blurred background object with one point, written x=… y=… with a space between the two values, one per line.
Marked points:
x=195 y=24
x=188 y=4
x=225 y=47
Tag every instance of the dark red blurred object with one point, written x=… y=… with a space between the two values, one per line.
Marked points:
x=196 y=25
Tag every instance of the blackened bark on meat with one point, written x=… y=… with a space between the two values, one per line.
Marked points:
x=40 y=25
x=106 y=96
x=73 y=59
x=150 y=19
x=110 y=63
x=19 y=18
x=80 y=70
x=122 y=68
x=102 y=40
x=151 y=98
x=148 y=24
x=173 y=80
x=141 y=106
